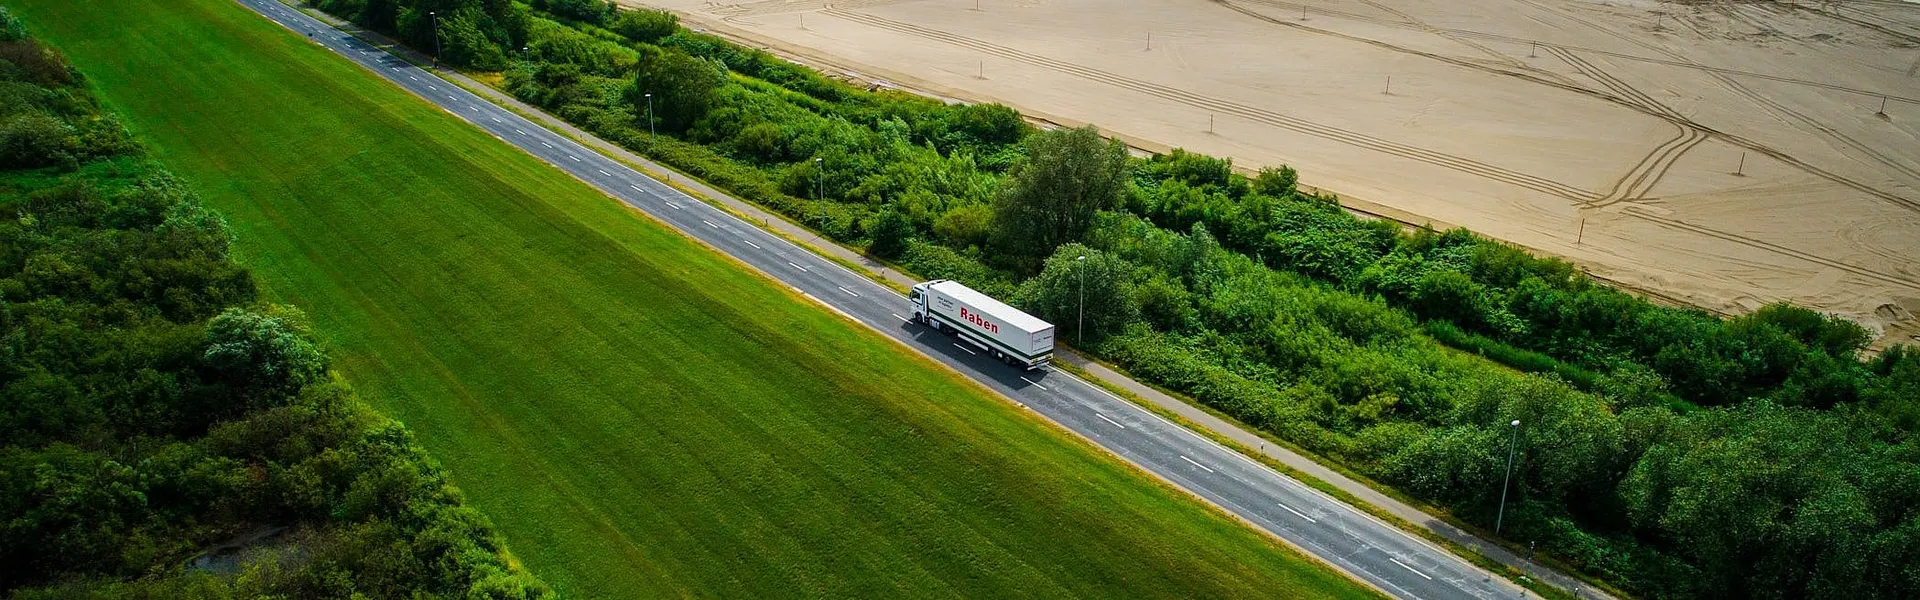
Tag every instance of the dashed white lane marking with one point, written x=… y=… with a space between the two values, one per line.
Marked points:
x=549 y=146
x=710 y=223
x=1036 y=384
x=497 y=120
x=520 y=132
x=430 y=86
x=1404 y=566
x=790 y=263
x=848 y=291
x=675 y=206
x=902 y=319
x=1190 y=461
x=1104 y=418
x=477 y=109
x=635 y=187
x=604 y=172
x=575 y=158
x=964 y=349
x=411 y=77
x=750 y=243
x=1297 y=513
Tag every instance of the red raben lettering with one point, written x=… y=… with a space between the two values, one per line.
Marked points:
x=975 y=318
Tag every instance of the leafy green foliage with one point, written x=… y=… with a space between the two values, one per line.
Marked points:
x=1051 y=199
x=646 y=25
x=682 y=88
x=1082 y=289
x=152 y=415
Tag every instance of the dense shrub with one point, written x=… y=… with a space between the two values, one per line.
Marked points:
x=645 y=25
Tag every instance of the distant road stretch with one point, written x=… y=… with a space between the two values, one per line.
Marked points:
x=1380 y=554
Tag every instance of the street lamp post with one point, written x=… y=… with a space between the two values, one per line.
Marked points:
x=650 y=131
x=436 y=36
x=819 y=179
x=1080 y=327
x=1512 y=444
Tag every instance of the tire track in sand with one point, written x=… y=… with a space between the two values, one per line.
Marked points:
x=1638 y=181
x=1432 y=157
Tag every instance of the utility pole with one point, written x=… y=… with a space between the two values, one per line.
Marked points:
x=436 y=36
x=1080 y=328
x=1511 y=446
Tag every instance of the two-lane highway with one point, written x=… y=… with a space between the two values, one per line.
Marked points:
x=1367 y=548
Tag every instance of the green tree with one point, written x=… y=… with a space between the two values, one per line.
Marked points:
x=1277 y=182
x=267 y=353
x=964 y=226
x=683 y=88
x=1051 y=199
x=1102 y=281
x=890 y=231
x=645 y=25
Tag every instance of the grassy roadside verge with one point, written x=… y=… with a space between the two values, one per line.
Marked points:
x=642 y=417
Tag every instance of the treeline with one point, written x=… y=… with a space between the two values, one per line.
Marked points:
x=1669 y=452
x=165 y=433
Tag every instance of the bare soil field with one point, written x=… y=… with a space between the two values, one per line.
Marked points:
x=1719 y=154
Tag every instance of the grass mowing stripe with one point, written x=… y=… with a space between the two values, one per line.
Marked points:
x=639 y=416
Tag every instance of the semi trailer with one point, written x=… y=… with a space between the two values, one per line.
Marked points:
x=1002 y=331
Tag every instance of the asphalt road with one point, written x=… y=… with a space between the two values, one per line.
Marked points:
x=1380 y=554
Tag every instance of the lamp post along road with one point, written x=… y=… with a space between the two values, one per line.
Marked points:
x=819 y=179
x=1080 y=327
x=650 y=131
x=1512 y=444
x=436 y=36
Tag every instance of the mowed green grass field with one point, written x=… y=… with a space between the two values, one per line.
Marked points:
x=640 y=416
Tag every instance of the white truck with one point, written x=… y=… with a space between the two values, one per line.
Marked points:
x=1002 y=331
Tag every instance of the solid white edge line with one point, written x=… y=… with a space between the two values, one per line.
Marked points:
x=1404 y=566
x=1035 y=383
x=1298 y=513
x=957 y=345
x=1191 y=462
x=1104 y=418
